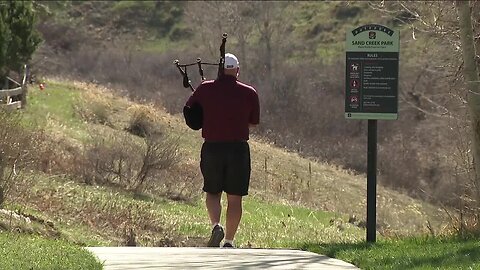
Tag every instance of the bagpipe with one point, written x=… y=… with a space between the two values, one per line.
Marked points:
x=194 y=114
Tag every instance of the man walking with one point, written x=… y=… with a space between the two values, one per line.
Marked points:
x=230 y=107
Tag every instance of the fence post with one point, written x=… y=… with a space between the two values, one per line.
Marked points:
x=26 y=73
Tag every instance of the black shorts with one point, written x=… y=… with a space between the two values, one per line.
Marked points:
x=226 y=167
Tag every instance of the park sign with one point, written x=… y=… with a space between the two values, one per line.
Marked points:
x=371 y=81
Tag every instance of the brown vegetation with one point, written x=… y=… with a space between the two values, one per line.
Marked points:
x=424 y=153
x=18 y=149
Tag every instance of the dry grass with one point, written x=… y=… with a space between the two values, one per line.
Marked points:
x=295 y=180
x=282 y=176
x=277 y=175
x=91 y=215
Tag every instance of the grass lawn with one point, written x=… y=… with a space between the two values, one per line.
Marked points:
x=33 y=252
x=408 y=253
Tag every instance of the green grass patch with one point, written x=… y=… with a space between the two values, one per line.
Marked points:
x=33 y=252
x=125 y=5
x=282 y=226
x=163 y=44
x=409 y=253
x=82 y=235
x=56 y=100
x=54 y=109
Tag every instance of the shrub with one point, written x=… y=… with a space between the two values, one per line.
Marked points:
x=126 y=161
x=143 y=121
x=17 y=150
x=94 y=112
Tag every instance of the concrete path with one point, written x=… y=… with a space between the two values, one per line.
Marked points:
x=123 y=258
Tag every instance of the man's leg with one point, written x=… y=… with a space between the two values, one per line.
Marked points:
x=210 y=165
x=236 y=186
x=214 y=207
x=234 y=214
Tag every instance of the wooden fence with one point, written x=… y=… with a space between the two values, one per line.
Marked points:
x=12 y=98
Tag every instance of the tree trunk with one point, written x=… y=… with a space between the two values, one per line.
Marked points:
x=472 y=81
x=266 y=37
x=243 y=53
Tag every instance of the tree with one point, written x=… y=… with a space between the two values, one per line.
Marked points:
x=447 y=31
x=18 y=37
x=4 y=40
x=18 y=41
x=472 y=80
x=257 y=31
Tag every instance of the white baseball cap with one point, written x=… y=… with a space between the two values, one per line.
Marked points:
x=231 y=61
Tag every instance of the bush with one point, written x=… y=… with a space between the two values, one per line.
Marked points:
x=127 y=162
x=94 y=112
x=18 y=146
x=62 y=37
x=142 y=122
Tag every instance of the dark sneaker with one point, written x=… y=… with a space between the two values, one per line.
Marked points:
x=216 y=237
x=227 y=245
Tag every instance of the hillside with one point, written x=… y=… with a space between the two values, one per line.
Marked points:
x=101 y=156
x=289 y=193
x=293 y=53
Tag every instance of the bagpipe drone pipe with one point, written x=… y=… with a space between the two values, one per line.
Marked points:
x=194 y=114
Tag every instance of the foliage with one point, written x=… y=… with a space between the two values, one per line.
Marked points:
x=18 y=36
x=5 y=37
x=142 y=122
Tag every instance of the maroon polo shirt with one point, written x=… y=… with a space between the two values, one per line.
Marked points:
x=229 y=106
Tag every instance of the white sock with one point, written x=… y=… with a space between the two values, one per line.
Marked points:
x=215 y=224
x=229 y=241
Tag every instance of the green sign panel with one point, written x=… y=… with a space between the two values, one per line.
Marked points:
x=371 y=80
